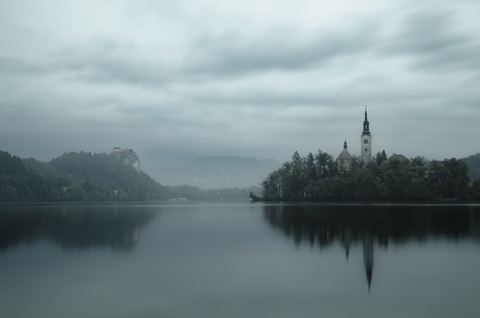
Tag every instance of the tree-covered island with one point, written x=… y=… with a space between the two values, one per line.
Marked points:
x=321 y=178
x=370 y=177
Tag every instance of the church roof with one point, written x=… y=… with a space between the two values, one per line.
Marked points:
x=345 y=155
x=399 y=157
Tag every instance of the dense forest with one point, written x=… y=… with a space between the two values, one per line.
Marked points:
x=92 y=177
x=102 y=177
x=321 y=178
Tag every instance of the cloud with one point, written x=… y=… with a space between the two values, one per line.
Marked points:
x=233 y=55
x=431 y=40
x=176 y=80
x=19 y=66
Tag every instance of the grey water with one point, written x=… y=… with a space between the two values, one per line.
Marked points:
x=239 y=260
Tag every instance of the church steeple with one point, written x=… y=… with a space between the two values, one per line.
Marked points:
x=345 y=144
x=366 y=140
x=366 y=125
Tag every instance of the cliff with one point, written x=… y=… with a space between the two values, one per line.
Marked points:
x=127 y=156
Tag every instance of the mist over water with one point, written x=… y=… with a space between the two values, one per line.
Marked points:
x=238 y=260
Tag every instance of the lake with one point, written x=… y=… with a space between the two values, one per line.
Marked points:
x=239 y=260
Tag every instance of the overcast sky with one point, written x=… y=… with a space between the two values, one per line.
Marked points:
x=178 y=80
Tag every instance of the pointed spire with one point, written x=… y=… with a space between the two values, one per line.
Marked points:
x=345 y=144
x=366 y=124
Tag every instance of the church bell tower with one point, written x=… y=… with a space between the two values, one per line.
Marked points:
x=366 y=140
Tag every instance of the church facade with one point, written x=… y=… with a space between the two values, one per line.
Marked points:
x=366 y=140
x=344 y=159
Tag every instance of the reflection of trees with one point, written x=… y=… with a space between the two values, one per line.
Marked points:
x=323 y=225
x=73 y=227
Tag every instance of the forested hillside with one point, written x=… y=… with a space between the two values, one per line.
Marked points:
x=75 y=177
x=319 y=177
x=82 y=176
x=473 y=163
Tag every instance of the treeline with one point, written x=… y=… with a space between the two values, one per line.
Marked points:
x=197 y=194
x=320 y=178
x=90 y=177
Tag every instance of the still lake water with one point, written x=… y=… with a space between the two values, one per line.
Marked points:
x=239 y=260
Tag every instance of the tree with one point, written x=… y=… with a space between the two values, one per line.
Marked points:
x=296 y=159
x=310 y=171
x=336 y=189
x=448 y=179
x=356 y=164
x=366 y=186
x=325 y=164
x=272 y=186
x=254 y=197
x=380 y=158
x=419 y=166
x=397 y=179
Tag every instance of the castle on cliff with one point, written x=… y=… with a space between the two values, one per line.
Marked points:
x=127 y=156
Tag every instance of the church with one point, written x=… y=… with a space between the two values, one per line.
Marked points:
x=344 y=159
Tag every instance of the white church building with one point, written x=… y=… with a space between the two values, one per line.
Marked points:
x=345 y=159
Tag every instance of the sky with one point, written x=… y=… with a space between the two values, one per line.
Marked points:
x=178 y=80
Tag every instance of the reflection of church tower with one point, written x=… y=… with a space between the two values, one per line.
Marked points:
x=366 y=140
x=368 y=256
x=346 y=239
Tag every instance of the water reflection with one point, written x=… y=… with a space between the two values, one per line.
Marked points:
x=324 y=225
x=73 y=227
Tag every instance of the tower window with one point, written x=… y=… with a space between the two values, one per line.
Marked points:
x=365 y=141
x=366 y=149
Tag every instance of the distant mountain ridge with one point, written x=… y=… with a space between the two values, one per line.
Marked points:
x=219 y=172
x=473 y=162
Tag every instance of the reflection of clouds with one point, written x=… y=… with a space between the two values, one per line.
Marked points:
x=73 y=227
x=323 y=225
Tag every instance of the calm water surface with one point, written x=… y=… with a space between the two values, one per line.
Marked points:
x=239 y=260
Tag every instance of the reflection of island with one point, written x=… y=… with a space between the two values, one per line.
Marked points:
x=324 y=225
x=72 y=227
